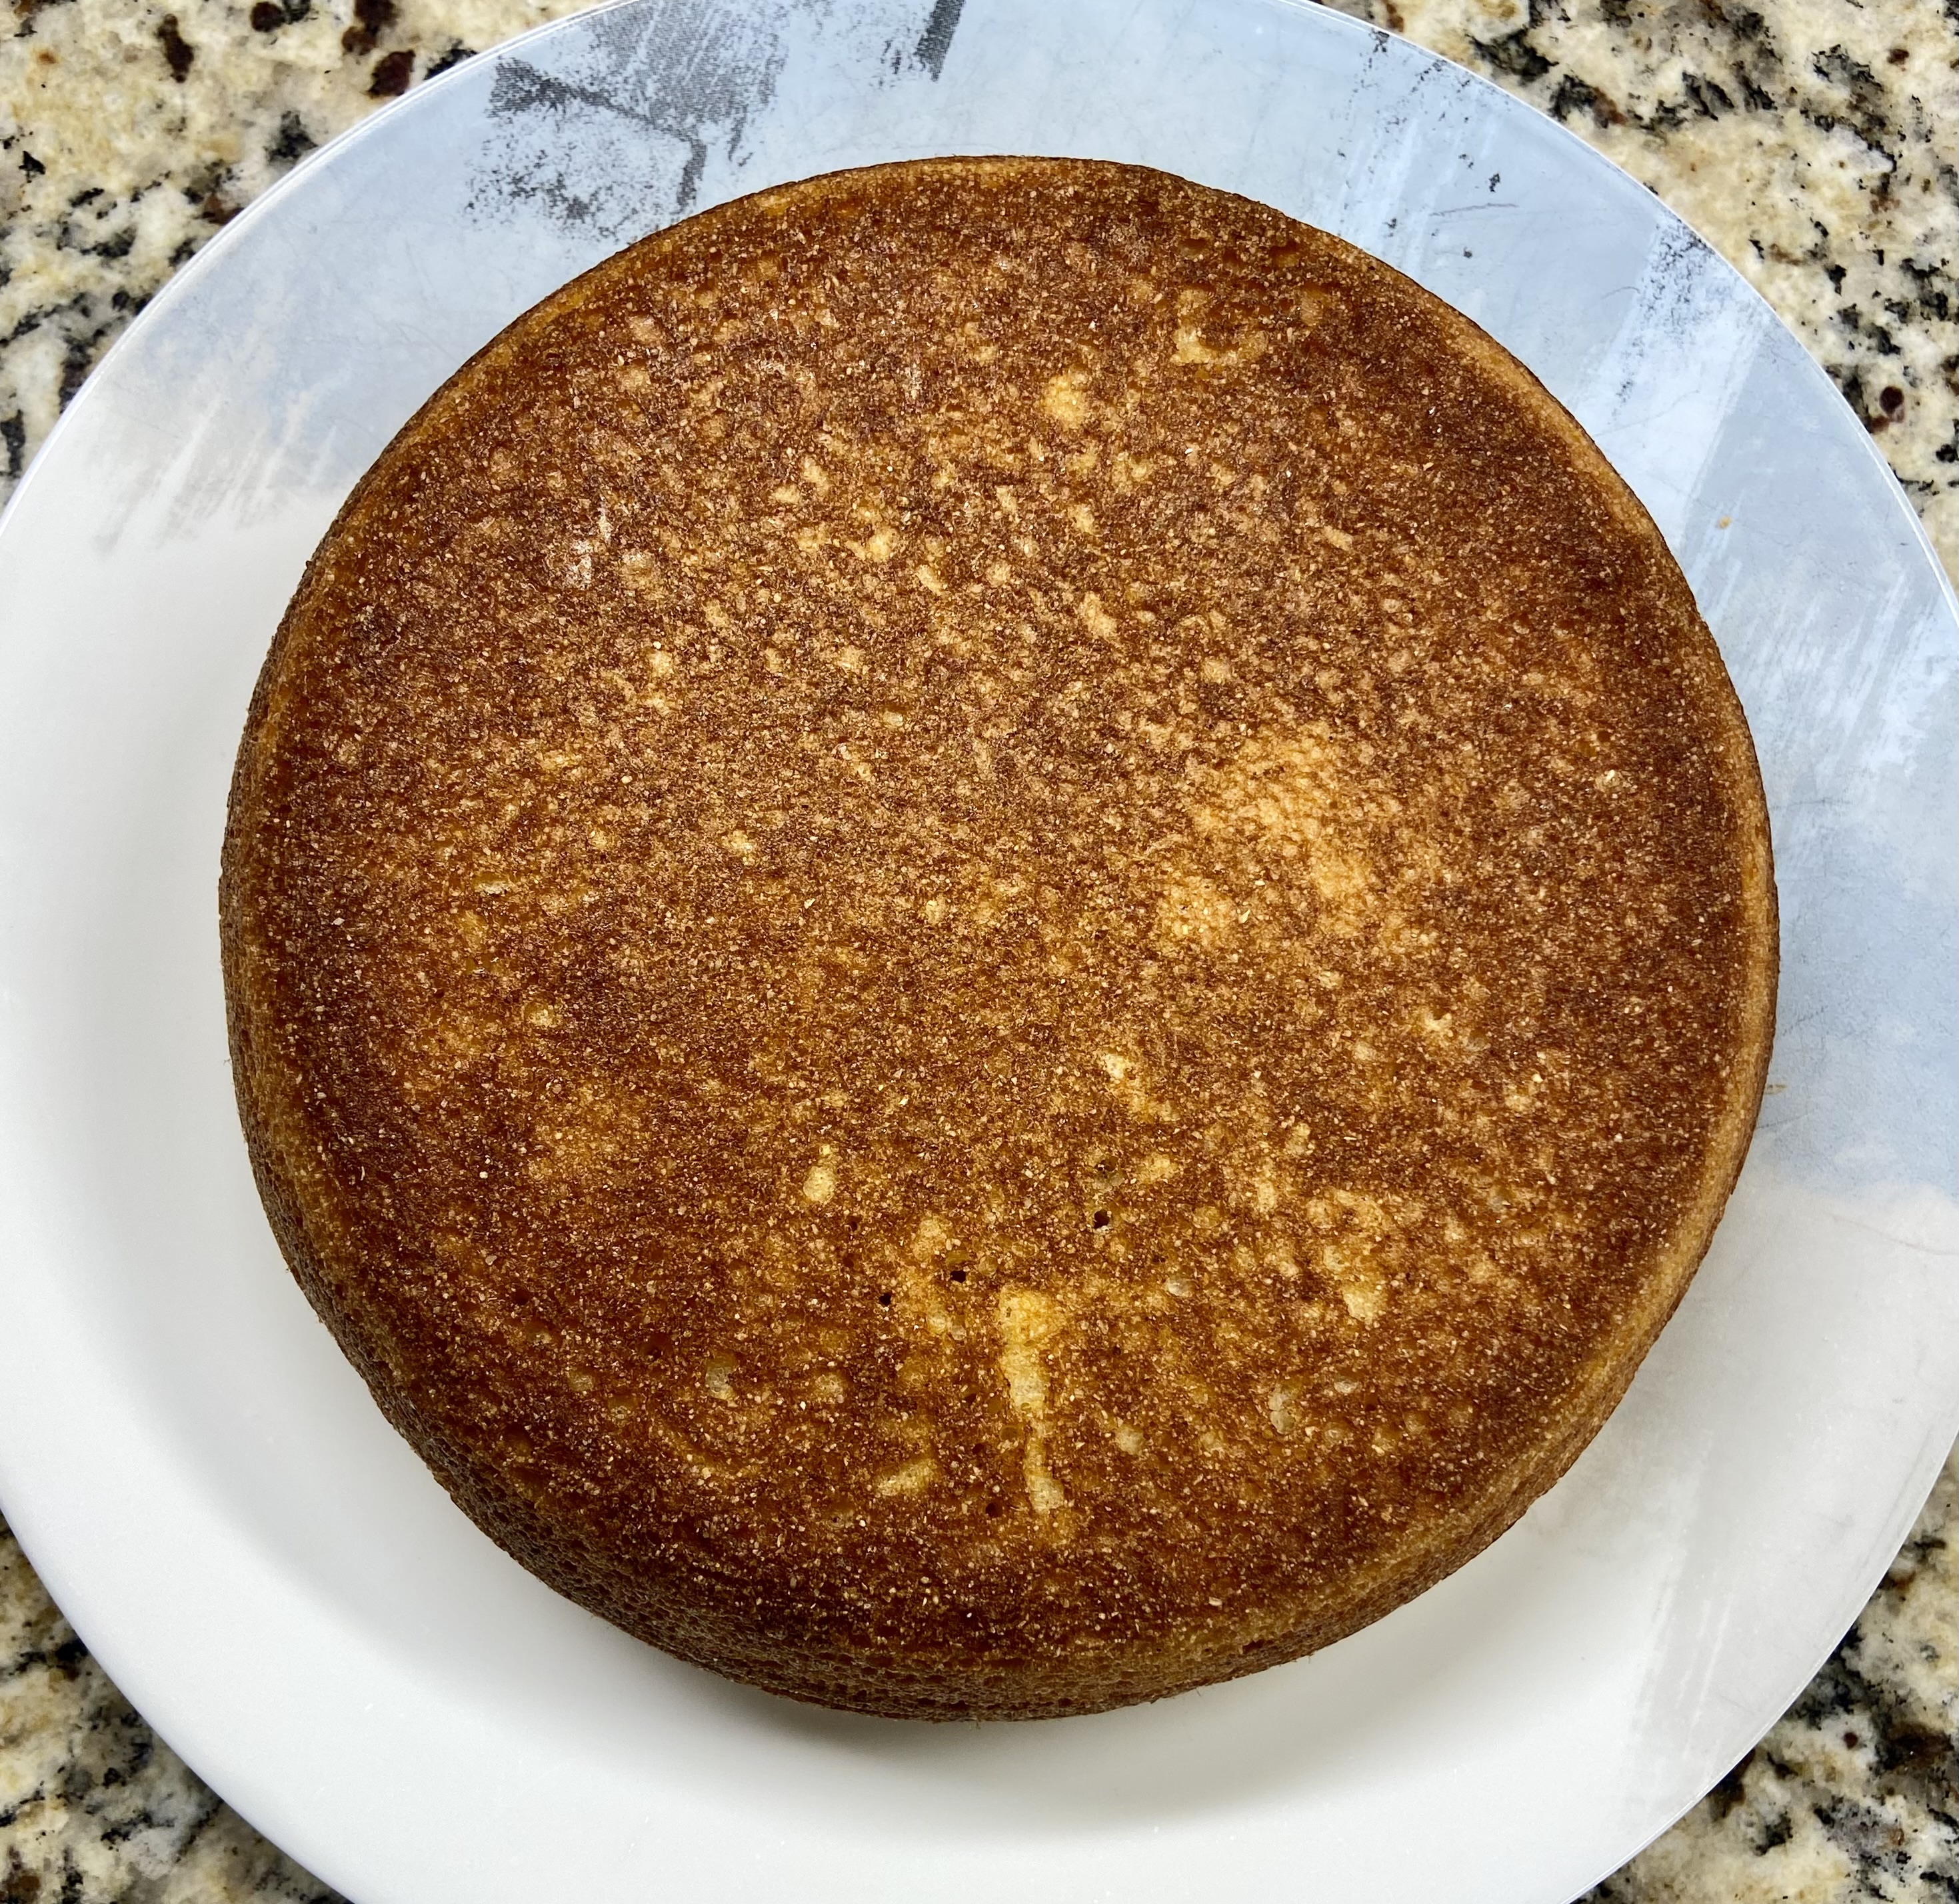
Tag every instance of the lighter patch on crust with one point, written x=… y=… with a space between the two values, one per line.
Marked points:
x=1192 y=911
x=820 y=1185
x=1358 y=1259
x=1289 y=796
x=1028 y=1321
x=913 y=1478
x=1065 y=399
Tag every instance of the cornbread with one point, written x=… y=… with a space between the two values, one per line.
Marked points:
x=996 y=935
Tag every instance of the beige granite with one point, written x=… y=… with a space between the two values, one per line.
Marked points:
x=1812 y=141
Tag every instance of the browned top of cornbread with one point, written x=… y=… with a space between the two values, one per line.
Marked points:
x=996 y=933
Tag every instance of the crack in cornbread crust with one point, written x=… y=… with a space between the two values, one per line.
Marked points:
x=996 y=935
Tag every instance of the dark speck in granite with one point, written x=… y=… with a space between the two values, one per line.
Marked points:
x=391 y=73
x=267 y=17
x=291 y=142
x=372 y=18
x=178 y=51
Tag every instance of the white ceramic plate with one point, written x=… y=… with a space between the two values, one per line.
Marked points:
x=270 y=1575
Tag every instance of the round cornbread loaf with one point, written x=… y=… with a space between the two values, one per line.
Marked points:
x=996 y=935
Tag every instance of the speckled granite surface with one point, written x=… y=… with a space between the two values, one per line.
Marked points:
x=1811 y=141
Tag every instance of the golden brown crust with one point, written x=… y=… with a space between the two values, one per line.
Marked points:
x=996 y=936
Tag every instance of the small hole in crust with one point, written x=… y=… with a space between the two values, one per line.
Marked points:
x=1101 y=1219
x=884 y=1300
x=959 y=1276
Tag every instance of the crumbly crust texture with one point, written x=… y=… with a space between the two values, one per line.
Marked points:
x=996 y=935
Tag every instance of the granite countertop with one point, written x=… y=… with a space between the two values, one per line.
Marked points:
x=1800 y=136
